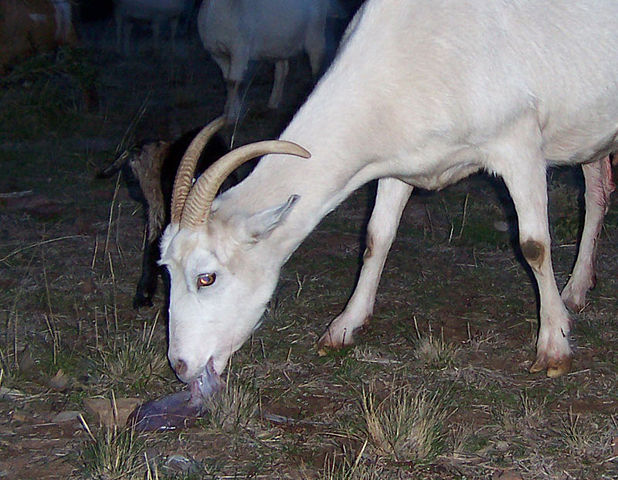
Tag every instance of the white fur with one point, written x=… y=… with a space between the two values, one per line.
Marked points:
x=421 y=95
x=236 y=32
x=156 y=12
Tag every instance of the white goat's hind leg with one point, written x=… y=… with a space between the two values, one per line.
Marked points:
x=282 y=68
x=527 y=185
x=391 y=199
x=599 y=186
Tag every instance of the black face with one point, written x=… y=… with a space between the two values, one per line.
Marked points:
x=131 y=181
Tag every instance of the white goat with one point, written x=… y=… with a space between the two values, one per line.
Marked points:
x=236 y=32
x=421 y=94
x=155 y=12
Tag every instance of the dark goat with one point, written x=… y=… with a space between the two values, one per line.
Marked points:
x=148 y=170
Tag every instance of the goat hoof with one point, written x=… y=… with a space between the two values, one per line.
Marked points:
x=329 y=342
x=559 y=367
x=554 y=367
x=324 y=346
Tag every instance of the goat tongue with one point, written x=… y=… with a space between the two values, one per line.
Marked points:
x=206 y=385
x=166 y=413
x=180 y=409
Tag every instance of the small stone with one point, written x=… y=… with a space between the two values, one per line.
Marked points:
x=60 y=381
x=501 y=226
x=25 y=360
x=105 y=414
x=502 y=446
x=19 y=416
x=67 y=416
x=507 y=475
x=10 y=394
x=180 y=464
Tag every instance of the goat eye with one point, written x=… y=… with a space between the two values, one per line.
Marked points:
x=206 y=279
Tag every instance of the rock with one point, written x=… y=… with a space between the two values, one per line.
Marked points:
x=105 y=413
x=67 y=416
x=501 y=226
x=180 y=464
x=24 y=360
x=20 y=416
x=502 y=446
x=60 y=381
x=507 y=475
x=10 y=394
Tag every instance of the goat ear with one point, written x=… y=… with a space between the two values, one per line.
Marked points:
x=261 y=224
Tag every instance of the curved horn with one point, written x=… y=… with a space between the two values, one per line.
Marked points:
x=199 y=203
x=186 y=169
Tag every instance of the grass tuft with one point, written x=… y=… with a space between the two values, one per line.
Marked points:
x=351 y=468
x=406 y=425
x=235 y=407
x=131 y=363
x=113 y=453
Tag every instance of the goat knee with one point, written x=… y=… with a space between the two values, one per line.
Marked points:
x=534 y=253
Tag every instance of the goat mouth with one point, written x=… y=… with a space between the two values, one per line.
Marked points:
x=207 y=384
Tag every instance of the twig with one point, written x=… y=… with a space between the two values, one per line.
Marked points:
x=44 y=242
x=25 y=193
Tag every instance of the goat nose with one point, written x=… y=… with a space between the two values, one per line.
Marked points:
x=180 y=367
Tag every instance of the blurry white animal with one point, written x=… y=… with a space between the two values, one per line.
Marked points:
x=237 y=32
x=155 y=12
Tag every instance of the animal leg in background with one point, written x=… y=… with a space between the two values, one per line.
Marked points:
x=147 y=284
x=391 y=199
x=599 y=186
x=315 y=46
x=234 y=69
x=282 y=67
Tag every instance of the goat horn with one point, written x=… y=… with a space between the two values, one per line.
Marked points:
x=203 y=193
x=186 y=169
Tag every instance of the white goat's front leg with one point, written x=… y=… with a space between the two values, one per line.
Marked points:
x=391 y=199
x=525 y=176
x=282 y=67
x=599 y=186
x=234 y=69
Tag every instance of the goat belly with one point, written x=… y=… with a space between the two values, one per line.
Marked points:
x=168 y=413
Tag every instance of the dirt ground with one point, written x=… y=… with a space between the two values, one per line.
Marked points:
x=449 y=345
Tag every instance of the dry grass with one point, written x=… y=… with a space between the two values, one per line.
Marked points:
x=433 y=351
x=351 y=468
x=131 y=362
x=235 y=408
x=405 y=426
x=113 y=453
